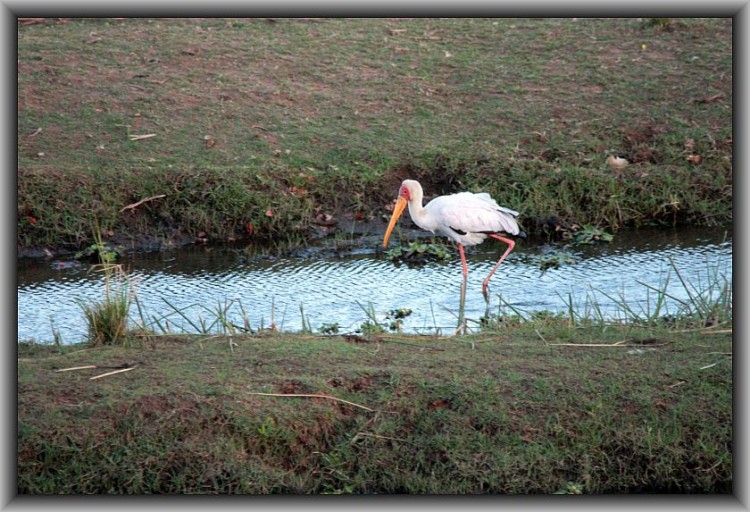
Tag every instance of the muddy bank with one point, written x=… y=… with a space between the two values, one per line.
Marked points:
x=323 y=235
x=329 y=234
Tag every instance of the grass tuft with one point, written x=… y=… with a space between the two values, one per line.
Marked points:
x=108 y=320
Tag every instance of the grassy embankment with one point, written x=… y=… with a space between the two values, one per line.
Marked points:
x=263 y=128
x=517 y=414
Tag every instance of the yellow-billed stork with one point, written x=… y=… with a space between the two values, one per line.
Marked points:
x=466 y=218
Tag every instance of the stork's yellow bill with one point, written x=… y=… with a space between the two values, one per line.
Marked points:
x=398 y=210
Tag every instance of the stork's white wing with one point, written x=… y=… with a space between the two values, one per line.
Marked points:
x=484 y=196
x=472 y=213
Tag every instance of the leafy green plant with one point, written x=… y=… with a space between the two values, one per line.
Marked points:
x=553 y=260
x=99 y=251
x=329 y=328
x=571 y=488
x=368 y=327
x=590 y=234
x=418 y=253
x=393 y=320
x=102 y=252
x=397 y=318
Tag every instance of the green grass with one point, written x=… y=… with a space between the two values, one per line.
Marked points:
x=300 y=117
x=516 y=414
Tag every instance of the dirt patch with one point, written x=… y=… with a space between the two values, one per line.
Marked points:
x=362 y=384
x=294 y=386
x=640 y=143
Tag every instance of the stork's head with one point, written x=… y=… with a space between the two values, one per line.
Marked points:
x=404 y=196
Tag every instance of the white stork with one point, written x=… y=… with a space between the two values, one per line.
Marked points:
x=466 y=218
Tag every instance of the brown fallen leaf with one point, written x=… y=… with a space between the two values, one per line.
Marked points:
x=695 y=159
x=438 y=404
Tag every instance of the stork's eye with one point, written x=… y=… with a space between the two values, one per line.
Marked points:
x=405 y=193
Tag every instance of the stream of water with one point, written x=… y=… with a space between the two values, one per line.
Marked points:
x=191 y=285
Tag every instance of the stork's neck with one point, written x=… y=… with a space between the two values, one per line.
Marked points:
x=416 y=210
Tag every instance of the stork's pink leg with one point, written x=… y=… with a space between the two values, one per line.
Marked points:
x=511 y=245
x=463 y=260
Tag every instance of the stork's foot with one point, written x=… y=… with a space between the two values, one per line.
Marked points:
x=485 y=291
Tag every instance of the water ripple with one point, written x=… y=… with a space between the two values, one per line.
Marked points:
x=195 y=286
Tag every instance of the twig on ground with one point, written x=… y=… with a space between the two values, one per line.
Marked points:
x=298 y=395
x=366 y=434
x=707 y=330
x=135 y=205
x=134 y=138
x=112 y=373
x=617 y=344
x=74 y=368
x=540 y=335
x=722 y=331
x=712 y=467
